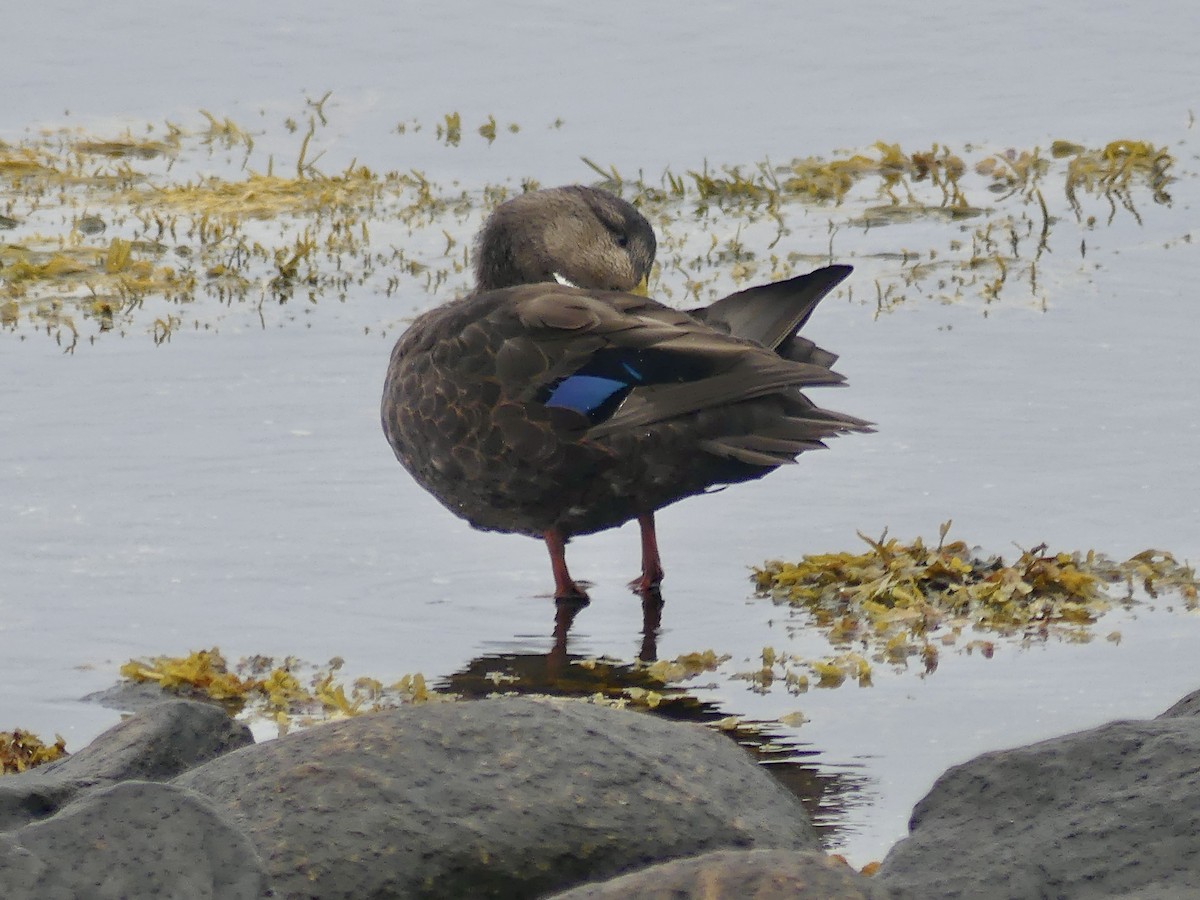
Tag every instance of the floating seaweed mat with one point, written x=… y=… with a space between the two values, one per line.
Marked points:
x=899 y=600
x=130 y=233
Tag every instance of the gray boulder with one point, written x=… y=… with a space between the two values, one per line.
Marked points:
x=155 y=745
x=500 y=798
x=1188 y=706
x=137 y=839
x=1110 y=812
x=734 y=874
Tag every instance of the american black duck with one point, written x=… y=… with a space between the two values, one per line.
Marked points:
x=553 y=401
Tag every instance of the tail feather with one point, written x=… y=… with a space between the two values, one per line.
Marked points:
x=801 y=349
x=745 y=449
x=742 y=402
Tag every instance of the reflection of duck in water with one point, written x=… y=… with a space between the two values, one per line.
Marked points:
x=514 y=667
x=551 y=402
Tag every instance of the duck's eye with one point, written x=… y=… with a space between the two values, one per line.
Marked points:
x=622 y=241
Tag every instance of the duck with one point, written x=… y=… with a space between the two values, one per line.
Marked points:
x=556 y=399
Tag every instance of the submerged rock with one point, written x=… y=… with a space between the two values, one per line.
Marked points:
x=508 y=797
x=1110 y=812
x=761 y=874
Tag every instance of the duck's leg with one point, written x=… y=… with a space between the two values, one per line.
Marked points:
x=652 y=573
x=565 y=587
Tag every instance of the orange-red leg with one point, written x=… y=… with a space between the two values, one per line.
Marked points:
x=652 y=572
x=565 y=587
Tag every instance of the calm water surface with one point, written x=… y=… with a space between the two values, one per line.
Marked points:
x=233 y=489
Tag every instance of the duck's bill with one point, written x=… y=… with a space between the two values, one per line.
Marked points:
x=641 y=288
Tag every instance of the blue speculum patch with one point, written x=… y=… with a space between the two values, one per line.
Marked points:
x=585 y=393
x=597 y=388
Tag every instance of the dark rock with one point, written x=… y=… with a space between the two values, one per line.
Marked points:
x=734 y=874
x=154 y=745
x=137 y=839
x=31 y=796
x=1188 y=706
x=511 y=797
x=135 y=696
x=1111 y=812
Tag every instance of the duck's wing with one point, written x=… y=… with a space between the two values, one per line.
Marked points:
x=772 y=314
x=625 y=361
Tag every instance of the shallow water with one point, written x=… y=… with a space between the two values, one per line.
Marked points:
x=233 y=488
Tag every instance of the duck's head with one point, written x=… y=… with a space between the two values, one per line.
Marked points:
x=573 y=235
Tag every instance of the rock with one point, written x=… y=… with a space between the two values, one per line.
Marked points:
x=31 y=796
x=1188 y=706
x=137 y=839
x=154 y=745
x=508 y=797
x=135 y=696
x=734 y=874
x=1110 y=812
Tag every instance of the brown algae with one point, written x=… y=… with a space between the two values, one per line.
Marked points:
x=124 y=232
x=285 y=691
x=899 y=602
x=22 y=750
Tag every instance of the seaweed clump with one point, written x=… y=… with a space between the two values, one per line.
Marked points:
x=898 y=601
x=263 y=688
x=22 y=750
x=151 y=233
